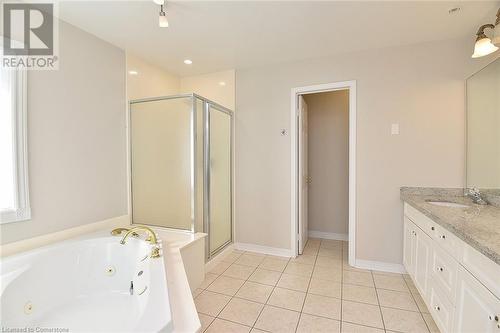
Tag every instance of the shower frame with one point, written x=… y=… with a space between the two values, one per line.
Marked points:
x=207 y=104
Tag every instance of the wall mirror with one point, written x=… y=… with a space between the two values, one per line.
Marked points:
x=483 y=128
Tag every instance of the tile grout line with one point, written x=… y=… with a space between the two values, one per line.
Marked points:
x=378 y=301
x=307 y=290
x=337 y=298
x=270 y=294
x=217 y=316
x=234 y=296
x=414 y=300
x=276 y=306
x=275 y=286
x=231 y=297
x=333 y=281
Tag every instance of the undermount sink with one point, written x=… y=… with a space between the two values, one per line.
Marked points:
x=447 y=204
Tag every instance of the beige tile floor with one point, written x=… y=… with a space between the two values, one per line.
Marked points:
x=316 y=292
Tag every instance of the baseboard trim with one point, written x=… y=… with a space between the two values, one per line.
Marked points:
x=275 y=251
x=380 y=266
x=218 y=258
x=328 y=235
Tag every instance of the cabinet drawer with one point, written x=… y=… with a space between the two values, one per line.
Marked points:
x=422 y=221
x=441 y=309
x=448 y=242
x=483 y=268
x=444 y=270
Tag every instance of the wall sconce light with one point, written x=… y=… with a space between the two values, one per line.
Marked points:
x=484 y=45
x=496 y=31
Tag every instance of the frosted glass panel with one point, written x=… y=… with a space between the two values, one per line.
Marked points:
x=220 y=179
x=161 y=162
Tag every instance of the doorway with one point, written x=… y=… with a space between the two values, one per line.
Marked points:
x=338 y=206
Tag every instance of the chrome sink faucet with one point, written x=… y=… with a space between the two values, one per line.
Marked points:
x=475 y=195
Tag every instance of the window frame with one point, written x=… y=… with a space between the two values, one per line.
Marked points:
x=22 y=210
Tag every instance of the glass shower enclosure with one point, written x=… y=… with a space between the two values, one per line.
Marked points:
x=181 y=166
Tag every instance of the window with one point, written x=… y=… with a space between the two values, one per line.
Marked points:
x=14 y=201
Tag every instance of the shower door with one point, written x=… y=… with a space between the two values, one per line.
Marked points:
x=219 y=175
x=162 y=162
x=181 y=166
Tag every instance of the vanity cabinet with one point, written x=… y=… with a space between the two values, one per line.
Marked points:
x=440 y=265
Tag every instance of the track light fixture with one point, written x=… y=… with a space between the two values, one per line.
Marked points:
x=162 y=18
x=484 y=45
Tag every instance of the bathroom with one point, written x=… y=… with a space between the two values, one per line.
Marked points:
x=155 y=175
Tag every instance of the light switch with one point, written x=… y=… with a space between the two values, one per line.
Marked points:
x=395 y=129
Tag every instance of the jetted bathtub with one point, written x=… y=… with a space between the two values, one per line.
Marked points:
x=86 y=284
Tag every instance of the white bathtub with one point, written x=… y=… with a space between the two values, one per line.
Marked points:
x=83 y=285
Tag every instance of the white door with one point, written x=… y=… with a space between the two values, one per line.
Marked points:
x=303 y=174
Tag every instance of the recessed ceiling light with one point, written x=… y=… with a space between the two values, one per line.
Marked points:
x=159 y=2
x=188 y=62
x=222 y=83
x=132 y=72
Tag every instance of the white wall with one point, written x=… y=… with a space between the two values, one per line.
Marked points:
x=150 y=80
x=76 y=138
x=421 y=87
x=328 y=161
x=210 y=86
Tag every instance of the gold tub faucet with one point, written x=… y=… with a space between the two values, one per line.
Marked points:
x=155 y=250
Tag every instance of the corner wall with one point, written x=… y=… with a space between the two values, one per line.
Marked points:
x=218 y=87
x=150 y=80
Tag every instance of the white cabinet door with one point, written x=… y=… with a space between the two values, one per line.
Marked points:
x=408 y=245
x=477 y=309
x=422 y=258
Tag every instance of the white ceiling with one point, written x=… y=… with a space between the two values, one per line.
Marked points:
x=219 y=35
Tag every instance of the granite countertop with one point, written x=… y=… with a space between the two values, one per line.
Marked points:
x=476 y=225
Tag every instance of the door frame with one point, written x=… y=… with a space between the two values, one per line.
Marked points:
x=327 y=87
